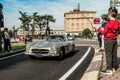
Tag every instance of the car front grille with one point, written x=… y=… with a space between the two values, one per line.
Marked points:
x=41 y=51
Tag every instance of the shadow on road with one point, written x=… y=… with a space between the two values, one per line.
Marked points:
x=12 y=61
x=79 y=49
x=56 y=58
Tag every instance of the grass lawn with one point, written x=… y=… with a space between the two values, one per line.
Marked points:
x=15 y=46
x=118 y=37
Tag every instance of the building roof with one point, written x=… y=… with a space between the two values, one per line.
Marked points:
x=79 y=11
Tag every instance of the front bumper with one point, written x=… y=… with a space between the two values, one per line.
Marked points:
x=42 y=55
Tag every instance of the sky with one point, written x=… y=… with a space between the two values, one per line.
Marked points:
x=57 y=8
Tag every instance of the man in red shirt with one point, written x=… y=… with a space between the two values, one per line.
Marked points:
x=110 y=33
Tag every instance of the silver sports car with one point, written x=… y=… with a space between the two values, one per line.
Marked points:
x=54 y=45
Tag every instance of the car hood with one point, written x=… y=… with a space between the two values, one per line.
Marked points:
x=47 y=44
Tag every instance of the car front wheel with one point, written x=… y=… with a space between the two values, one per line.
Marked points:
x=61 y=54
x=32 y=57
x=73 y=48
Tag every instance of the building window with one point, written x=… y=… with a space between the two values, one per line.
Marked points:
x=67 y=24
x=72 y=24
x=67 y=28
x=82 y=20
x=82 y=24
x=77 y=24
x=68 y=20
x=72 y=28
x=87 y=24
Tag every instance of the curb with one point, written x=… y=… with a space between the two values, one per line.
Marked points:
x=11 y=53
x=92 y=72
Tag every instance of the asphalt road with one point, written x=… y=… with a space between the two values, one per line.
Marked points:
x=21 y=67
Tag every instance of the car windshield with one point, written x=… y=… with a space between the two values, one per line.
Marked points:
x=55 y=38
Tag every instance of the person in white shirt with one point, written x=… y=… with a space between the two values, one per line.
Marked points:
x=7 y=43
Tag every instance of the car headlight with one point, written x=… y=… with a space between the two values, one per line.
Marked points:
x=53 y=50
x=27 y=48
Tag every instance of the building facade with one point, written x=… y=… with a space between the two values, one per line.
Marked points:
x=37 y=32
x=76 y=21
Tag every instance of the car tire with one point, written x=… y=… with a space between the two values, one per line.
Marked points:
x=32 y=57
x=73 y=48
x=61 y=54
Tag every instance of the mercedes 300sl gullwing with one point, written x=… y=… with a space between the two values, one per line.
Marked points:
x=52 y=46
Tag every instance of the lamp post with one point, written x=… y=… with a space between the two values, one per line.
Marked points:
x=78 y=9
x=1 y=25
x=114 y=3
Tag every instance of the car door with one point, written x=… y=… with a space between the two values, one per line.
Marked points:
x=68 y=46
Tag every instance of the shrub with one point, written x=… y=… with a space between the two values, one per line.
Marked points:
x=86 y=32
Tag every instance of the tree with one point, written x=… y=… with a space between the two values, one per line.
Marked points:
x=25 y=21
x=14 y=32
x=1 y=25
x=104 y=16
x=118 y=16
x=40 y=23
x=10 y=33
x=47 y=19
x=33 y=22
x=87 y=33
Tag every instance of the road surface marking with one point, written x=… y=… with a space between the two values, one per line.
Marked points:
x=67 y=74
x=10 y=56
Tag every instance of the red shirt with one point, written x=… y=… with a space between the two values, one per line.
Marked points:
x=110 y=31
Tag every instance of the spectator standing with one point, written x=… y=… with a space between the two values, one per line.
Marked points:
x=110 y=33
x=7 y=42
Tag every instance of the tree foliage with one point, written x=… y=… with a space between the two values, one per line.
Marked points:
x=118 y=16
x=47 y=20
x=87 y=33
x=25 y=20
x=36 y=21
x=104 y=16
